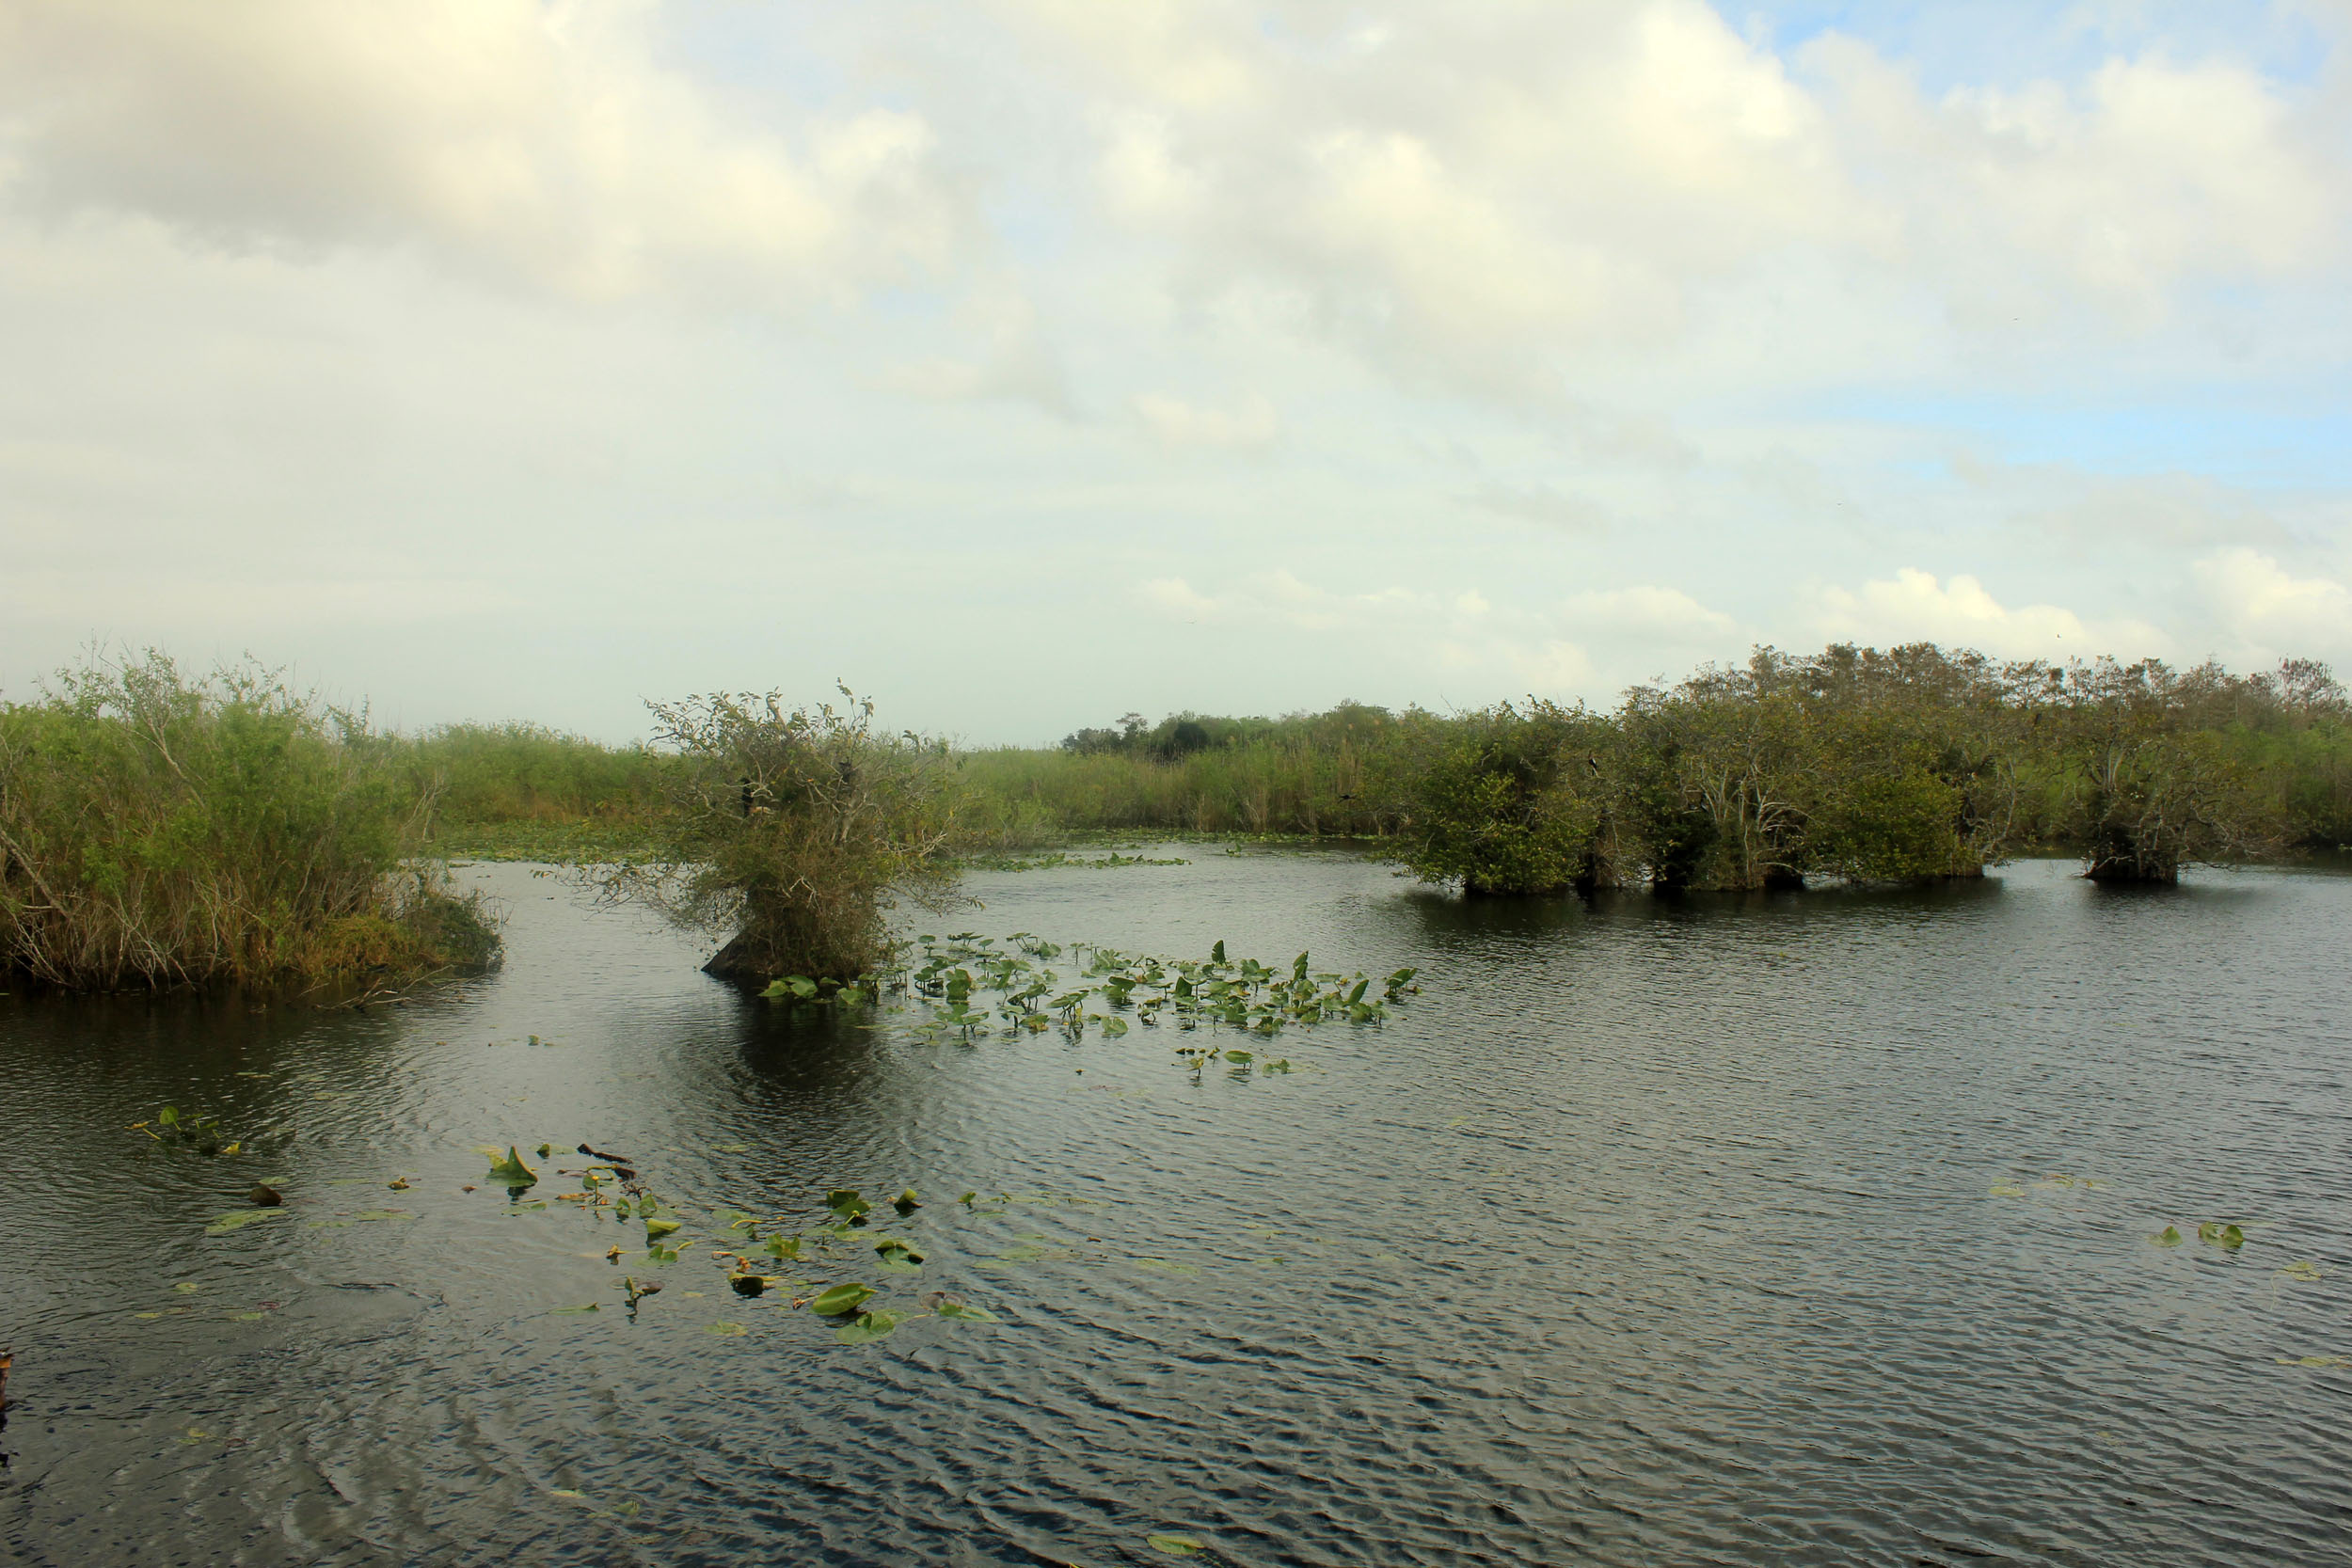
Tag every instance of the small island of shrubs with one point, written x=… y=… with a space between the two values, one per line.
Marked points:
x=157 y=830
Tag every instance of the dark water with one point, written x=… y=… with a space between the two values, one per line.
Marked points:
x=1653 y=1235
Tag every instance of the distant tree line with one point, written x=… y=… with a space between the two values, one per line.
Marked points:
x=1855 y=764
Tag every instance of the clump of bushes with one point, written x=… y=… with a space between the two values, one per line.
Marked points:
x=158 y=830
x=790 y=834
x=1907 y=766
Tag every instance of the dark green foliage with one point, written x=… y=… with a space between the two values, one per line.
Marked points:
x=2149 y=761
x=1509 y=802
x=157 y=830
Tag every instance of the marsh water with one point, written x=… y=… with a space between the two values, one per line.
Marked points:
x=1803 y=1230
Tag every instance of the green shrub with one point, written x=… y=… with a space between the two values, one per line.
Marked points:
x=156 y=830
x=791 y=833
x=1507 y=802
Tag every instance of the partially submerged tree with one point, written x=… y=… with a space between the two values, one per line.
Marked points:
x=2151 y=782
x=1508 y=800
x=791 y=833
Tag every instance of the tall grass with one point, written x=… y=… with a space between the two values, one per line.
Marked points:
x=159 y=830
x=1294 y=782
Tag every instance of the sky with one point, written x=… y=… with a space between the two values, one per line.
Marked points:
x=1025 y=362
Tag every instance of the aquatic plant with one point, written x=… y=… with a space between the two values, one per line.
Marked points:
x=159 y=830
x=789 y=834
x=953 y=978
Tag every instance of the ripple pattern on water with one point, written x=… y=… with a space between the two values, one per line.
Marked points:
x=1785 y=1230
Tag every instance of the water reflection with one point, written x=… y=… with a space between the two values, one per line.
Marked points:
x=1663 y=1231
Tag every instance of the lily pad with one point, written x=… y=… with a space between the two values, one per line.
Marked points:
x=869 y=1328
x=2169 y=1236
x=512 y=1170
x=968 y=1314
x=841 y=1299
x=725 y=1330
x=2215 y=1233
x=1174 y=1545
x=657 y=1228
x=906 y=1203
x=846 y=1202
x=2301 y=1269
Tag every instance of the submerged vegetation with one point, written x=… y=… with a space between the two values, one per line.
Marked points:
x=160 y=831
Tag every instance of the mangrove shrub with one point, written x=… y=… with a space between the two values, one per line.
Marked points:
x=790 y=833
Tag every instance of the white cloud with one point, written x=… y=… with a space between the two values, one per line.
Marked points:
x=1542 y=504
x=2272 y=613
x=1179 y=598
x=1558 y=669
x=1492 y=197
x=1252 y=425
x=1017 y=364
x=526 y=140
x=1650 y=614
x=1913 y=607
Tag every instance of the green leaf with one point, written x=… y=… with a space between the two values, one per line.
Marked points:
x=869 y=1328
x=169 y=1116
x=724 y=1329
x=1174 y=1545
x=1216 y=954
x=846 y=1202
x=1242 y=1057
x=2169 y=1236
x=655 y=1229
x=237 y=1219
x=906 y=1202
x=841 y=1299
x=512 y=1170
x=784 y=1246
x=968 y=1314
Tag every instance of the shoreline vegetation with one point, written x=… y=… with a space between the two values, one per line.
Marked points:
x=159 y=831
x=156 y=830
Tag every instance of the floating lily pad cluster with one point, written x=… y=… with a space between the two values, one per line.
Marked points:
x=819 y=1257
x=201 y=1134
x=1061 y=860
x=972 y=987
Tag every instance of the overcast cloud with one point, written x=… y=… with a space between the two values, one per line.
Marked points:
x=1030 y=361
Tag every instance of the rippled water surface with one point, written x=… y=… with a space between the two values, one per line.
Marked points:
x=1652 y=1234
